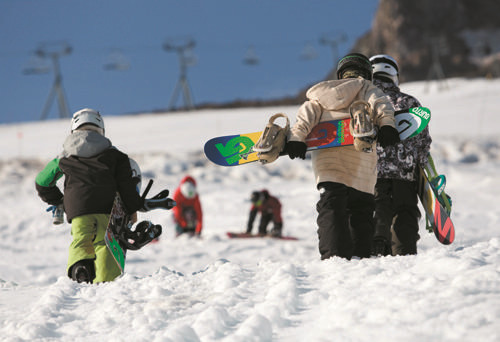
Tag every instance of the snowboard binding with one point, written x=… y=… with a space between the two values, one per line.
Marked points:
x=143 y=233
x=272 y=141
x=362 y=127
x=159 y=201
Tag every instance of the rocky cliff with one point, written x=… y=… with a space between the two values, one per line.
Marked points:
x=437 y=38
x=430 y=39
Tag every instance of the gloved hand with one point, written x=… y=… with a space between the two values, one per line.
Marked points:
x=387 y=136
x=57 y=213
x=296 y=149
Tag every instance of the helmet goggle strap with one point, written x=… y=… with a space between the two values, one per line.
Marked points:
x=90 y=127
x=355 y=73
x=387 y=78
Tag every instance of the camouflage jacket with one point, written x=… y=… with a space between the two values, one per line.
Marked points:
x=400 y=161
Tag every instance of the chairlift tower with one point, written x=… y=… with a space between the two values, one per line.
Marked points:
x=54 y=52
x=333 y=40
x=184 y=51
x=438 y=47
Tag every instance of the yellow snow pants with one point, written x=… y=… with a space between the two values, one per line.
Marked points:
x=88 y=243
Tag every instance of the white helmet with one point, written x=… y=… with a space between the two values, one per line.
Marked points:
x=385 y=66
x=89 y=117
x=136 y=174
x=188 y=190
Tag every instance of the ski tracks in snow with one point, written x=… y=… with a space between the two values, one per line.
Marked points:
x=225 y=301
x=316 y=300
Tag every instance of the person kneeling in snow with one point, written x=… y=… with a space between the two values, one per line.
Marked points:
x=270 y=210
x=188 y=215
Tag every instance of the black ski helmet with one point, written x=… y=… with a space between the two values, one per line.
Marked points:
x=355 y=61
x=255 y=197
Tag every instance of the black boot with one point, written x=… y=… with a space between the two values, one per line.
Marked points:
x=381 y=247
x=83 y=271
x=276 y=231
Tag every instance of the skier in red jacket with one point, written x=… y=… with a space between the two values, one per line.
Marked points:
x=269 y=208
x=188 y=215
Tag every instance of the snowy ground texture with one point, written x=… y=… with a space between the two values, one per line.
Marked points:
x=216 y=289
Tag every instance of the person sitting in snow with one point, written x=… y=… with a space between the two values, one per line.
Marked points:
x=269 y=208
x=94 y=172
x=188 y=215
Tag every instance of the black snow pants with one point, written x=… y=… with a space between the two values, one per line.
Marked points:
x=264 y=222
x=345 y=221
x=265 y=219
x=396 y=206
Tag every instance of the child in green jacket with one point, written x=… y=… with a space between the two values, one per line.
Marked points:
x=94 y=172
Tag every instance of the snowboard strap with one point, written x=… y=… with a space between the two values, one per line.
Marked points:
x=361 y=126
x=428 y=224
x=438 y=183
x=273 y=139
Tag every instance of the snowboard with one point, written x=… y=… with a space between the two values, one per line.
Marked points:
x=438 y=183
x=232 y=150
x=118 y=220
x=436 y=205
x=232 y=235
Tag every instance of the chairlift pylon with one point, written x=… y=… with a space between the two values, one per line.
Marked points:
x=52 y=51
x=36 y=65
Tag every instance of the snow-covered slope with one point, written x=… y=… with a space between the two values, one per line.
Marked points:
x=256 y=290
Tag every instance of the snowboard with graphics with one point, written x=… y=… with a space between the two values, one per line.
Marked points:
x=121 y=234
x=436 y=204
x=232 y=150
x=118 y=220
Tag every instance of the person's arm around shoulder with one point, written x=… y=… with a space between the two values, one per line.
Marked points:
x=382 y=108
x=383 y=116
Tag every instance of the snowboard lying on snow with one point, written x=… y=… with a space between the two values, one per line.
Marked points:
x=233 y=235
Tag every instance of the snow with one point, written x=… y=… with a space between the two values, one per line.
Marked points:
x=216 y=289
